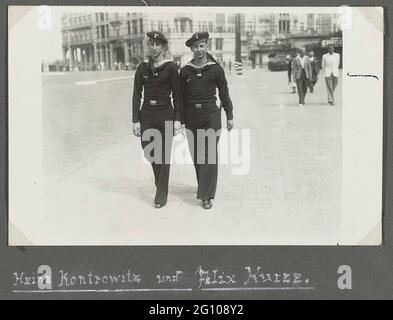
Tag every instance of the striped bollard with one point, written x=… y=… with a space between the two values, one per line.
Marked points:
x=238 y=68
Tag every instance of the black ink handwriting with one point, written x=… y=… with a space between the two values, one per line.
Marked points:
x=363 y=75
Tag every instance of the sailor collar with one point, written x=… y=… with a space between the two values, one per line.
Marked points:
x=194 y=66
x=161 y=64
x=155 y=70
x=198 y=70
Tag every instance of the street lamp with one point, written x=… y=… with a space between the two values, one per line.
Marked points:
x=238 y=48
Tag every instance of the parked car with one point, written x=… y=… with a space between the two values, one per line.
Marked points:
x=278 y=63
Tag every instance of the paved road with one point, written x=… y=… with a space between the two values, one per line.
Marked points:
x=98 y=190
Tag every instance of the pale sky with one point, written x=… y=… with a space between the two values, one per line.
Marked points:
x=51 y=41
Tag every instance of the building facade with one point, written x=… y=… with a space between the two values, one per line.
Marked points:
x=102 y=41
x=293 y=31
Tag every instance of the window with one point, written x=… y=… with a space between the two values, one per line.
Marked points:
x=183 y=26
x=210 y=26
x=101 y=16
x=98 y=32
x=107 y=30
x=129 y=27
x=134 y=26
x=141 y=24
x=160 y=26
x=219 y=43
x=102 y=31
x=220 y=19
x=284 y=26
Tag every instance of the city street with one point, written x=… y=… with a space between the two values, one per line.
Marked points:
x=98 y=191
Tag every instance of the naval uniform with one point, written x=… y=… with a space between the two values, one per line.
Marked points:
x=198 y=86
x=157 y=85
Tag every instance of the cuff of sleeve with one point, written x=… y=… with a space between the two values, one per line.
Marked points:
x=229 y=114
x=135 y=119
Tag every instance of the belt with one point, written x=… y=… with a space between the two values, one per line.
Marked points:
x=157 y=102
x=200 y=105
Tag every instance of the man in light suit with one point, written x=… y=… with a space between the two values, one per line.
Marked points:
x=330 y=63
x=302 y=73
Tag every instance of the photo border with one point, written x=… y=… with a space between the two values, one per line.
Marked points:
x=370 y=264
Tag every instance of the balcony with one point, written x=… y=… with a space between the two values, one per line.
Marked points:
x=115 y=18
x=77 y=27
x=74 y=42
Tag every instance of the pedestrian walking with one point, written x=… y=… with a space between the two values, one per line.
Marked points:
x=158 y=78
x=330 y=64
x=199 y=80
x=314 y=70
x=302 y=74
x=291 y=78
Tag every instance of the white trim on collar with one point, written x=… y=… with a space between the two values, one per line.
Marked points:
x=164 y=61
x=194 y=66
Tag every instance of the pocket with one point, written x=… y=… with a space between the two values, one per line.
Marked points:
x=145 y=113
x=213 y=107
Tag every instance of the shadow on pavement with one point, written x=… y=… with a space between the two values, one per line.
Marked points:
x=185 y=193
x=144 y=190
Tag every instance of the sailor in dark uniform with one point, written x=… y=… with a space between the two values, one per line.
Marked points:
x=158 y=78
x=199 y=80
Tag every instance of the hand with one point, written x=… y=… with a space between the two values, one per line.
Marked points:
x=230 y=125
x=177 y=127
x=136 y=128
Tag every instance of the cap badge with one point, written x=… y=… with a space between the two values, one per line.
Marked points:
x=196 y=37
x=155 y=36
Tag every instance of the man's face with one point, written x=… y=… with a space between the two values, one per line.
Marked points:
x=302 y=52
x=311 y=54
x=331 y=49
x=156 y=48
x=199 y=49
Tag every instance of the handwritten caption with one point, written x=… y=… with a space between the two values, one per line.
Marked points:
x=202 y=278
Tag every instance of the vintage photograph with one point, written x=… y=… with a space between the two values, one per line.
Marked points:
x=208 y=126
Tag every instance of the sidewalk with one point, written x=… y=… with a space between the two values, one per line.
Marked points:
x=292 y=194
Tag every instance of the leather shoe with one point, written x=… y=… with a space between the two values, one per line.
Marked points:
x=207 y=204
